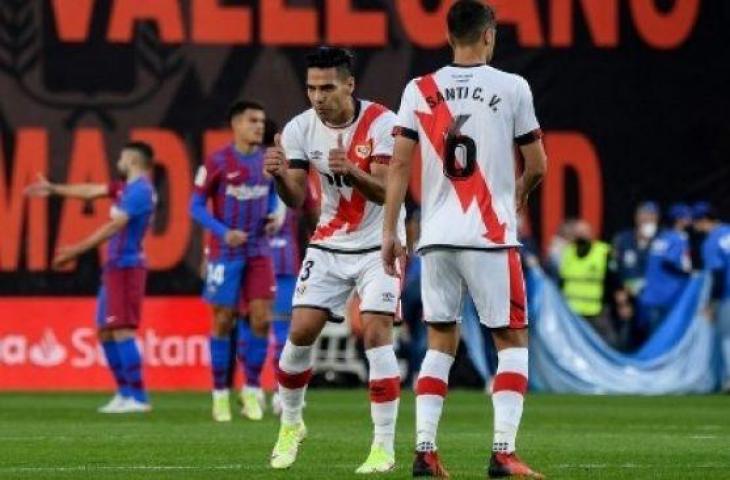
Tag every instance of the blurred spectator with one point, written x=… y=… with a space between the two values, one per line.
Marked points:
x=667 y=271
x=631 y=248
x=716 y=260
x=556 y=248
x=628 y=263
x=583 y=276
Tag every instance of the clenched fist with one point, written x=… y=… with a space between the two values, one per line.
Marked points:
x=338 y=162
x=275 y=159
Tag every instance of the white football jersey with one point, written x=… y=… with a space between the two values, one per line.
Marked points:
x=348 y=221
x=467 y=121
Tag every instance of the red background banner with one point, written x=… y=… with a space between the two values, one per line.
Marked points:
x=50 y=343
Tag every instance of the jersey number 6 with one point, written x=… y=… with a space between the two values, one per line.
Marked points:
x=460 y=160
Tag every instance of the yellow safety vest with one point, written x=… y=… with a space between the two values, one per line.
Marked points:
x=583 y=278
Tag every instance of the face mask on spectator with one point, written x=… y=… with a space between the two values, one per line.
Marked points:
x=647 y=230
x=582 y=246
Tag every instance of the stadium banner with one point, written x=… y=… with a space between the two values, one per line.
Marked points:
x=51 y=344
x=617 y=85
x=568 y=356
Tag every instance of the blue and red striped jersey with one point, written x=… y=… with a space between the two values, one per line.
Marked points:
x=285 y=244
x=242 y=199
x=136 y=200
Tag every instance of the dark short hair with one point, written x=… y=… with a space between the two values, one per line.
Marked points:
x=332 y=57
x=469 y=19
x=240 y=106
x=144 y=150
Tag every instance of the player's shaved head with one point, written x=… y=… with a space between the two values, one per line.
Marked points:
x=468 y=20
x=340 y=59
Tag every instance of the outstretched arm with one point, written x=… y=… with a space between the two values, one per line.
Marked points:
x=102 y=234
x=84 y=191
x=399 y=174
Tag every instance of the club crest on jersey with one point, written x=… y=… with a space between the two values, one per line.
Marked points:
x=364 y=149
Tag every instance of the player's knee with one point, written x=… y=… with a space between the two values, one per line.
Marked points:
x=302 y=336
x=259 y=325
x=443 y=338
x=378 y=332
x=260 y=317
x=510 y=338
x=223 y=321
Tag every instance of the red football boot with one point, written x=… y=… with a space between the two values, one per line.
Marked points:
x=509 y=465
x=428 y=464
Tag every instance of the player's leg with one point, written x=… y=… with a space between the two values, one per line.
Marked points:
x=442 y=292
x=113 y=359
x=222 y=290
x=502 y=305
x=125 y=290
x=132 y=361
x=280 y=327
x=320 y=295
x=135 y=280
x=379 y=296
x=259 y=289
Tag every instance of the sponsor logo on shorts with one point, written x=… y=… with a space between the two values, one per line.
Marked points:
x=388 y=297
x=300 y=290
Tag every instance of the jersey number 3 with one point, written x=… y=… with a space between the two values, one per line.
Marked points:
x=460 y=160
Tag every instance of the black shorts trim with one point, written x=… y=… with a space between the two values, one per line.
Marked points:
x=429 y=248
x=378 y=312
x=332 y=317
x=452 y=322
x=405 y=132
x=346 y=252
x=529 y=137
x=299 y=164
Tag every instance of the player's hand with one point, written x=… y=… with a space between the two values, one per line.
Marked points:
x=394 y=255
x=235 y=238
x=275 y=159
x=64 y=256
x=338 y=162
x=41 y=188
x=271 y=226
x=520 y=195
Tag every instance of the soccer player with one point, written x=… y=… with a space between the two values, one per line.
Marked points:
x=239 y=259
x=123 y=278
x=285 y=250
x=348 y=141
x=467 y=117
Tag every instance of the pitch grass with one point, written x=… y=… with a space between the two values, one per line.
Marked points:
x=566 y=437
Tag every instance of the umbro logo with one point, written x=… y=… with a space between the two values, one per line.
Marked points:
x=388 y=297
x=316 y=155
